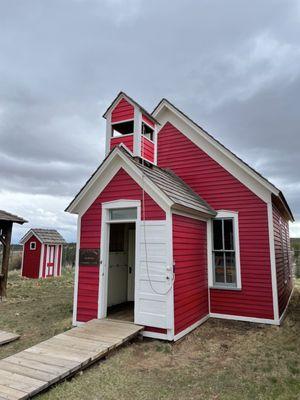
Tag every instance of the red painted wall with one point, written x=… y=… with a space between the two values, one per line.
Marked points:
x=31 y=258
x=282 y=259
x=147 y=149
x=122 y=186
x=148 y=120
x=191 y=286
x=122 y=112
x=222 y=191
x=127 y=140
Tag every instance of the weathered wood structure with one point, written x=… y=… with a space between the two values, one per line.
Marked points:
x=35 y=369
x=6 y=223
x=7 y=337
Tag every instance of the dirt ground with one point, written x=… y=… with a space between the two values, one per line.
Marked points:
x=219 y=360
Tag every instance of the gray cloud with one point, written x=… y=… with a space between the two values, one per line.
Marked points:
x=232 y=66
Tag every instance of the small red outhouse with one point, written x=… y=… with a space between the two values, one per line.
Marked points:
x=42 y=253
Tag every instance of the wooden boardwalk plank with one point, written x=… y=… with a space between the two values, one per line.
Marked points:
x=12 y=394
x=27 y=373
x=7 y=337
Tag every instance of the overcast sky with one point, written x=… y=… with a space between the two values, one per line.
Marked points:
x=233 y=66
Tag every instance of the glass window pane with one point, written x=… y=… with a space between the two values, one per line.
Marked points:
x=228 y=234
x=123 y=213
x=219 y=267
x=217 y=234
x=230 y=267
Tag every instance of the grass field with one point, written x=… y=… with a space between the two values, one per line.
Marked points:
x=219 y=360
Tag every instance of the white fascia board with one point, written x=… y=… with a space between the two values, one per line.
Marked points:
x=104 y=175
x=28 y=236
x=116 y=101
x=166 y=113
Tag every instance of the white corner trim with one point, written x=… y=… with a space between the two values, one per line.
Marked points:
x=234 y=216
x=108 y=134
x=245 y=319
x=236 y=167
x=286 y=308
x=273 y=260
x=137 y=132
x=155 y=144
x=170 y=304
x=76 y=279
x=190 y=328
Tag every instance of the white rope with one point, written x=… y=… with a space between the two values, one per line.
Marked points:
x=144 y=225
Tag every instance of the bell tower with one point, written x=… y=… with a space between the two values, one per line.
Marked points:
x=130 y=124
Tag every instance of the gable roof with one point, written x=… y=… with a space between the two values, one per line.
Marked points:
x=232 y=156
x=179 y=194
x=123 y=95
x=6 y=216
x=175 y=188
x=47 y=236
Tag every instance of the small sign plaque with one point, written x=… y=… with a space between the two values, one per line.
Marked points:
x=89 y=257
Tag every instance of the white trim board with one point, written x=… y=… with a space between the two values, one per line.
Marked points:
x=234 y=216
x=273 y=260
x=76 y=278
x=104 y=245
x=156 y=335
x=245 y=319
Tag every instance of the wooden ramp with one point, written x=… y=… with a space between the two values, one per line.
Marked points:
x=6 y=337
x=29 y=372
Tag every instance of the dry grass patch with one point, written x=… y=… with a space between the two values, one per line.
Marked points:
x=221 y=360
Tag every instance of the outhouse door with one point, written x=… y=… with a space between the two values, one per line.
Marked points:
x=50 y=261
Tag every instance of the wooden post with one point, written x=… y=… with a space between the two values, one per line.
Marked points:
x=5 y=238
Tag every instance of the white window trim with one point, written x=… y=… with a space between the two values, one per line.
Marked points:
x=234 y=216
x=32 y=245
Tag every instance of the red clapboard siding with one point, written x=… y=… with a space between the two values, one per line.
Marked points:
x=222 y=191
x=122 y=186
x=148 y=120
x=122 y=112
x=191 y=287
x=127 y=140
x=31 y=258
x=282 y=259
x=147 y=149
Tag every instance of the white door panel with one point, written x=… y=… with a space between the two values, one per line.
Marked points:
x=153 y=293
